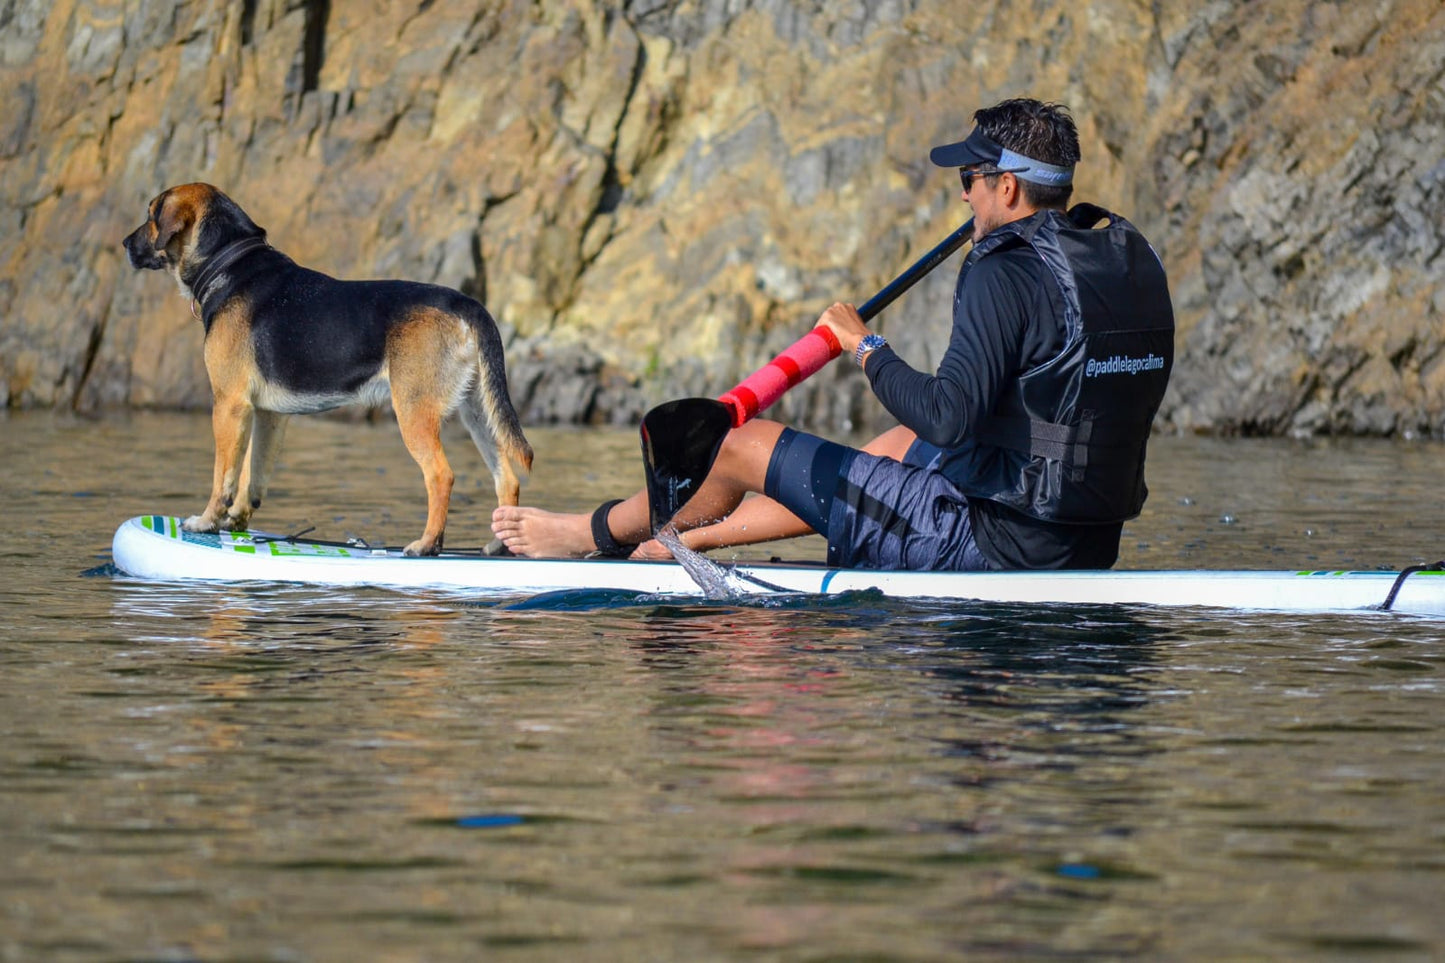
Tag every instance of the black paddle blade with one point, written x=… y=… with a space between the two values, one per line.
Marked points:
x=680 y=441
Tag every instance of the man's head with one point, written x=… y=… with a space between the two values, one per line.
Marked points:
x=1035 y=142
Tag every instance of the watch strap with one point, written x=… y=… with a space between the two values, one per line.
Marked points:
x=868 y=343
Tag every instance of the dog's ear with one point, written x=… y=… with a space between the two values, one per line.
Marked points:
x=172 y=216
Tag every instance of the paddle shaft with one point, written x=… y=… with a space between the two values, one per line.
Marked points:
x=812 y=351
x=874 y=306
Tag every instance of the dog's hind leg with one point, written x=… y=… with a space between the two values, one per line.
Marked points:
x=421 y=422
x=426 y=373
x=476 y=421
x=504 y=476
x=268 y=428
x=490 y=418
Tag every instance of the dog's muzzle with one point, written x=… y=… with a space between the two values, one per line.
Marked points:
x=140 y=252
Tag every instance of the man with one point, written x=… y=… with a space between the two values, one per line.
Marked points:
x=1024 y=451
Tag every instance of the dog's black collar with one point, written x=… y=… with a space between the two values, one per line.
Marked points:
x=221 y=260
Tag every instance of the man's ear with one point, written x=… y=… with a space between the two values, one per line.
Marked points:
x=1012 y=192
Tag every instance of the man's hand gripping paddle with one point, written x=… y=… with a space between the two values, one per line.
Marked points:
x=680 y=439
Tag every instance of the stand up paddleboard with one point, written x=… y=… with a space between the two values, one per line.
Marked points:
x=155 y=547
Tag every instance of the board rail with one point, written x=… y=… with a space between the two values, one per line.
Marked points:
x=157 y=547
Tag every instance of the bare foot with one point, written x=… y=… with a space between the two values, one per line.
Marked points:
x=651 y=550
x=537 y=534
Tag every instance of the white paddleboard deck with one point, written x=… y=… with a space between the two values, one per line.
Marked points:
x=155 y=547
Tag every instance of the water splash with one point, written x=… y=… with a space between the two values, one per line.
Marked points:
x=711 y=577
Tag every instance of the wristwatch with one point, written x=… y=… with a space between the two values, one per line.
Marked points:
x=869 y=342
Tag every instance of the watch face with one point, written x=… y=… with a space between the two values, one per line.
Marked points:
x=869 y=342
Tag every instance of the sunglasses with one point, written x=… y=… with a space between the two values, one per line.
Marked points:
x=968 y=176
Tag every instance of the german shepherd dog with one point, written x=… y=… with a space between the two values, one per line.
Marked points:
x=283 y=340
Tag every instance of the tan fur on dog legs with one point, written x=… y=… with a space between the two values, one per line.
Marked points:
x=230 y=364
x=268 y=429
x=231 y=424
x=421 y=424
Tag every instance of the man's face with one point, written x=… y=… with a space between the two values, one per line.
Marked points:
x=985 y=195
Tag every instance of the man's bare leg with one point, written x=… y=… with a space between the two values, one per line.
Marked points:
x=717 y=517
x=757 y=519
x=893 y=443
x=741 y=466
x=762 y=519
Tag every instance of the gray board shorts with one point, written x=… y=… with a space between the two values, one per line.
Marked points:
x=875 y=512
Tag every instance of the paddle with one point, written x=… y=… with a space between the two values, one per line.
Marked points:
x=680 y=439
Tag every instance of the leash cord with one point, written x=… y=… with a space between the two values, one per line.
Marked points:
x=1406 y=573
x=356 y=541
x=760 y=583
x=268 y=539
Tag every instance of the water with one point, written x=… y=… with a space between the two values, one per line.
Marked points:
x=273 y=773
x=711 y=577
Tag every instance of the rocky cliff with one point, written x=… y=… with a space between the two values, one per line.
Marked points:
x=653 y=196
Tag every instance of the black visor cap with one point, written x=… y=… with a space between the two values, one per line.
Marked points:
x=978 y=148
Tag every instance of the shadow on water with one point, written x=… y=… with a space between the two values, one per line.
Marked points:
x=1006 y=638
x=968 y=643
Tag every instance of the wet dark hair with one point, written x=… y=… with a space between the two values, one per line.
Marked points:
x=1035 y=129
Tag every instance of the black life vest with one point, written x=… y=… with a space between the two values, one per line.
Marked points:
x=1066 y=441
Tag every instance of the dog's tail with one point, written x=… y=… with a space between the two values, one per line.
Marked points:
x=490 y=418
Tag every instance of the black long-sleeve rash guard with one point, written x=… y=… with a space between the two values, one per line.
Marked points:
x=1006 y=320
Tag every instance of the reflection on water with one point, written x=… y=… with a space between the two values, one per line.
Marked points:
x=263 y=772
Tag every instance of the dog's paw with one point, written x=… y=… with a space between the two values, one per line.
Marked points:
x=199 y=523
x=422 y=547
x=235 y=523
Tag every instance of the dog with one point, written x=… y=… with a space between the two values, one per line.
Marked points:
x=281 y=340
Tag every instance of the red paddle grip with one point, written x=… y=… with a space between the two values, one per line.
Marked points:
x=766 y=385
